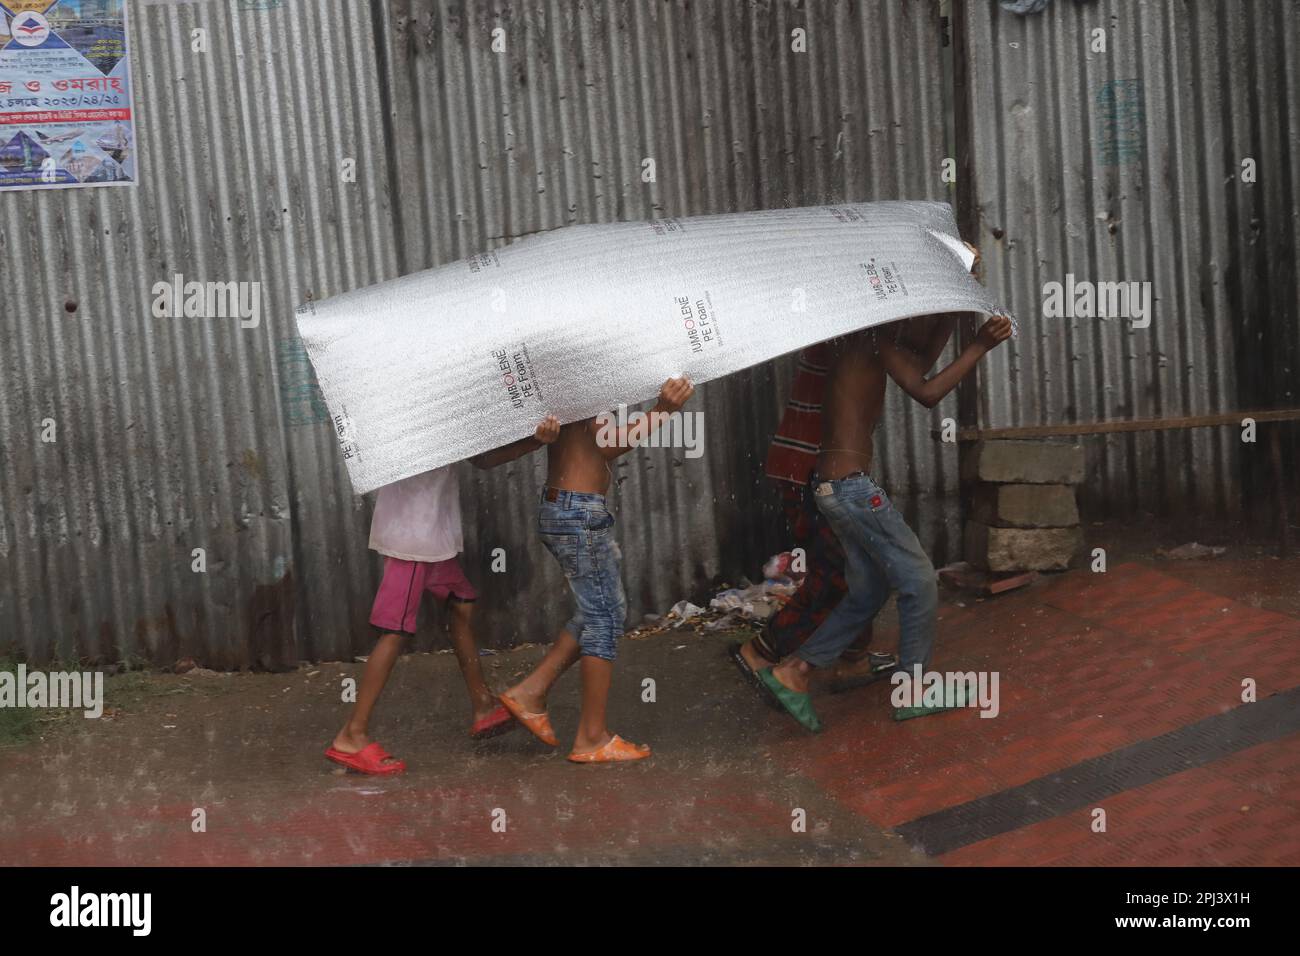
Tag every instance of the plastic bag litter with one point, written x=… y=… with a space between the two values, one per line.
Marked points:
x=757 y=602
x=727 y=622
x=1190 y=552
x=683 y=611
x=779 y=566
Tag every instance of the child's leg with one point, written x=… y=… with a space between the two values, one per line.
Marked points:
x=876 y=526
x=461 y=632
x=553 y=525
x=868 y=589
x=447 y=582
x=603 y=606
x=592 y=730
x=355 y=733
x=396 y=608
x=532 y=690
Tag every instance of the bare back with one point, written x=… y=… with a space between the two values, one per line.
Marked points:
x=852 y=403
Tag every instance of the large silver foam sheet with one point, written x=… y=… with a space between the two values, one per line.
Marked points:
x=437 y=366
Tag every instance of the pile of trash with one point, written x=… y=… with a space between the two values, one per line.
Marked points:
x=746 y=605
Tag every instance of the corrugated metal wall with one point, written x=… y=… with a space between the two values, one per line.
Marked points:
x=175 y=434
x=554 y=129
x=172 y=433
x=178 y=434
x=1126 y=165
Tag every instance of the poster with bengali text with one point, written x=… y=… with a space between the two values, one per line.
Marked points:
x=65 y=95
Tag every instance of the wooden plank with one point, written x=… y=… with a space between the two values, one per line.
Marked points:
x=963 y=577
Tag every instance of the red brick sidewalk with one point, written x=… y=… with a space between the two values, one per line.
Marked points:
x=1089 y=664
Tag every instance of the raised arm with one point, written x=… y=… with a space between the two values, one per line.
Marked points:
x=672 y=396
x=547 y=432
x=926 y=352
x=898 y=361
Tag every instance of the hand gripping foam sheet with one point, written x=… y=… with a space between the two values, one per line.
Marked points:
x=437 y=366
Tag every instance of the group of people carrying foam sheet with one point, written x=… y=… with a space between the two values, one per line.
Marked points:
x=859 y=548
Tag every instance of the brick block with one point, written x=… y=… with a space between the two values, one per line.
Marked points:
x=1023 y=462
x=1021 y=549
x=1025 y=506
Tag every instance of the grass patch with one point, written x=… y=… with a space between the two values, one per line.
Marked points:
x=17 y=724
x=124 y=693
x=128 y=690
x=134 y=688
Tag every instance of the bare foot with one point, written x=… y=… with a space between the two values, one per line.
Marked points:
x=350 y=743
x=753 y=658
x=531 y=703
x=793 y=673
x=582 y=745
x=614 y=750
x=483 y=708
x=849 y=670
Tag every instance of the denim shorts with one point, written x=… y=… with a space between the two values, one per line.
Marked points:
x=578 y=530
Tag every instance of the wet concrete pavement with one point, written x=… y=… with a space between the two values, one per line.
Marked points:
x=1102 y=678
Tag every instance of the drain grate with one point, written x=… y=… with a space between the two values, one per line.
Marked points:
x=1083 y=784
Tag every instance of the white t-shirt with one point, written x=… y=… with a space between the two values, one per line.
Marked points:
x=418 y=518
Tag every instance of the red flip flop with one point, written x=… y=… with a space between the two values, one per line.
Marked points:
x=498 y=722
x=369 y=759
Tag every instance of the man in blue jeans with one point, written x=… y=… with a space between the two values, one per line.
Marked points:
x=882 y=552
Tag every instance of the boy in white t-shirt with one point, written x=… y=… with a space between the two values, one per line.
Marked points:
x=416 y=526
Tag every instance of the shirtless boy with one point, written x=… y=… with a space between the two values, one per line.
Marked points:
x=791 y=463
x=882 y=552
x=577 y=528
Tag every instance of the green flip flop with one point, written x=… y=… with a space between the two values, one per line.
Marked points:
x=751 y=676
x=797 y=705
x=956 y=702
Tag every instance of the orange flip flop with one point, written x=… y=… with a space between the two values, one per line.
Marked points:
x=538 y=724
x=617 y=750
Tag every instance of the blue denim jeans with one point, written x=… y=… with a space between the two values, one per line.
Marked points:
x=578 y=530
x=881 y=553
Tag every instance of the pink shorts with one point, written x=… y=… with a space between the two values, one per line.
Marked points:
x=397 y=603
